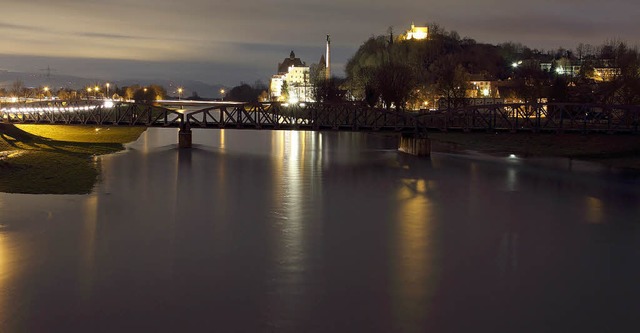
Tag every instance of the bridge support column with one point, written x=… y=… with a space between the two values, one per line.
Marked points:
x=184 y=138
x=414 y=145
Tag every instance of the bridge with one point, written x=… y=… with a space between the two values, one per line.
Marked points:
x=187 y=115
x=412 y=127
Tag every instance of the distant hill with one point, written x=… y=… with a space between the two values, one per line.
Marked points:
x=55 y=82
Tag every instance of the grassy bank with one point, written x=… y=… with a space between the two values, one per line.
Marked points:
x=611 y=150
x=56 y=159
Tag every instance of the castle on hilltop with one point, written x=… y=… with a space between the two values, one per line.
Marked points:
x=416 y=33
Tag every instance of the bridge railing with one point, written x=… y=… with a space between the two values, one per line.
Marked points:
x=547 y=117
x=90 y=112
x=307 y=116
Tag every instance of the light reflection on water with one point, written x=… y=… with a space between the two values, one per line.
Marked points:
x=414 y=275
x=301 y=231
x=87 y=249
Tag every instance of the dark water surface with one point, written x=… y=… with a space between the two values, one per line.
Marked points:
x=260 y=231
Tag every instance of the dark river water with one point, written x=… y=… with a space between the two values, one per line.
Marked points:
x=273 y=231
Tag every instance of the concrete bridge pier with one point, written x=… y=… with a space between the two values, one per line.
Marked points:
x=418 y=146
x=184 y=137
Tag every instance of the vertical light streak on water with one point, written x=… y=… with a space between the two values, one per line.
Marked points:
x=594 y=210
x=413 y=275
x=9 y=267
x=145 y=141
x=5 y=257
x=175 y=211
x=512 y=179
x=222 y=179
x=292 y=227
x=88 y=245
x=317 y=150
x=289 y=248
x=222 y=139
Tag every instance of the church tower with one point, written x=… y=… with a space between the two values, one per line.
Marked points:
x=327 y=66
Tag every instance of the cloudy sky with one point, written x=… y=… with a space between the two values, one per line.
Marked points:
x=228 y=41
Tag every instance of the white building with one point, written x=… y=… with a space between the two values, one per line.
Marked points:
x=294 y=74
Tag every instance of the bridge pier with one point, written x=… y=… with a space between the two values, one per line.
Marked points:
x=413 y=145
x=184 y=138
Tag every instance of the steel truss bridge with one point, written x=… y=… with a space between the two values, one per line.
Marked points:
x=539 y=117
x=190 y=114
x=547 y=117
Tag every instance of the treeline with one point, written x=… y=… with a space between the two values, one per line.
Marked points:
x=390 y=71
x=258 y=92
x=135 y=92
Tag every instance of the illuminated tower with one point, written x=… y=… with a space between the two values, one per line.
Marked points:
x=327 y=66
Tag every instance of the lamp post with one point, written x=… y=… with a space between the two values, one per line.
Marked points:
x=222 y=94
x=179 y=93
x=88 y=92
x=46 y=92
x=107 y=89
x=96 y=89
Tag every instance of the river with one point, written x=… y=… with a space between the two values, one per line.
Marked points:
x=277 y=231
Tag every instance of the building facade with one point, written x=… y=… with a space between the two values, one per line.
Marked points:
x=291 y=83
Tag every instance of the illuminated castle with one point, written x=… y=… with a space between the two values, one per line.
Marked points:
x=417 y=33
x=293 y=75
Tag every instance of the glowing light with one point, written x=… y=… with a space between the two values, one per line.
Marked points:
x=108 y=104
x=512 y=156
x=485 y=92
x=418 y=33
x=293 y=100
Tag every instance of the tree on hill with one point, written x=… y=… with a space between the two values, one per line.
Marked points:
x=247 y=93
x=451 y=80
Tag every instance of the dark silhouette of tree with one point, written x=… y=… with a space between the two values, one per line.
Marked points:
x=451 y=80
x=194 y=96
x=559 y=91
x=532 y=82
x=394 y=83
x=330 y=90
x=247 y=93
x=17 y=88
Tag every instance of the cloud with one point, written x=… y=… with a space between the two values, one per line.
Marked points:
x=9 y=26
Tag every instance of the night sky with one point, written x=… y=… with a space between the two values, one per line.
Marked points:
x=237 y=40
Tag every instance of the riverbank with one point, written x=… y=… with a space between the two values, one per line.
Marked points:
x=619 y=151
x=44 y=159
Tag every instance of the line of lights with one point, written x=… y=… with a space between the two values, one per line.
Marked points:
x=107 y=104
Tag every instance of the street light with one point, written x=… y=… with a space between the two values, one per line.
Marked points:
x=88 y=92
x=107 y=89
x=179 y=93
x=46 y=91
x=222 y=94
